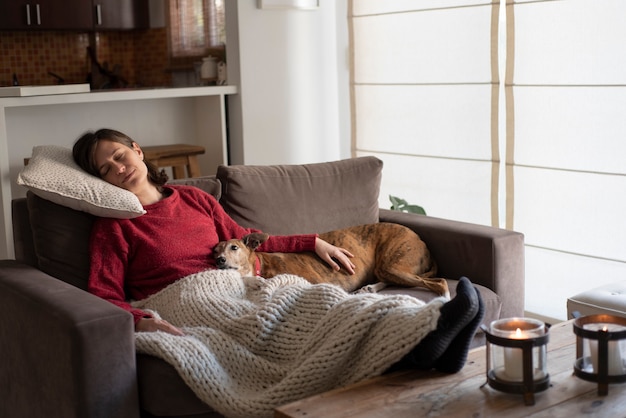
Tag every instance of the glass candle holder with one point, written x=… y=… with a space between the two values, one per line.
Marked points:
x=517 y=356
x=601 y=350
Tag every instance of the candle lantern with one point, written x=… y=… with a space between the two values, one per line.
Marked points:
x=601 y=350
x=517 y=356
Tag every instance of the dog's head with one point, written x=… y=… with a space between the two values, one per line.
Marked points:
x=238 y=254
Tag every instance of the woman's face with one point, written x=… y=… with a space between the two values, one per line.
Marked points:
x=120 y=165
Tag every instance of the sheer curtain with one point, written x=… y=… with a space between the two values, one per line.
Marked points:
x=195 y=27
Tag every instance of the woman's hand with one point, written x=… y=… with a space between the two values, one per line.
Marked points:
x=154 y=324
x=331 y=254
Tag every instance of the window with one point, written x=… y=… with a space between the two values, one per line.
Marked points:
x=539 y=139
x=196 y=29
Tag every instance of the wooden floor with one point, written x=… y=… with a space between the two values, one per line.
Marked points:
x=432 y=394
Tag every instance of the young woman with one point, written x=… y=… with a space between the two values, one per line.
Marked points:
x=135 y=258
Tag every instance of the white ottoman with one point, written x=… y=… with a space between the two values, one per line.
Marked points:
x=608 y=299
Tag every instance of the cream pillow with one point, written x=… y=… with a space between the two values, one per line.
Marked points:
x=53 y=175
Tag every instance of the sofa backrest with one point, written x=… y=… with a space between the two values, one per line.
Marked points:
x=283 y=199
x=299 y=199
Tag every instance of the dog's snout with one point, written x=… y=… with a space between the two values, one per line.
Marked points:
x=220 y=260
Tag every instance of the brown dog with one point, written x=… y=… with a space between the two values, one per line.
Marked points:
x=383 y=252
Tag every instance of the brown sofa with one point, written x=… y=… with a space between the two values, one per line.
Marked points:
x=66 y=353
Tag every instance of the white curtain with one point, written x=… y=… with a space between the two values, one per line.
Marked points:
x=536 y=143
x=566 y=181
x=425 y=97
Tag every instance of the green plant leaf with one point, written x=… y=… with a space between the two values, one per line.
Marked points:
x=402 y=205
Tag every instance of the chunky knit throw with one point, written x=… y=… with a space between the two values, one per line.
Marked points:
x=253 y=344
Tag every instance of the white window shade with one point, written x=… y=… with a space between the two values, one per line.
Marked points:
x=427 y=100
x=372 y=7
x=566 y=177
x=438 y=46
x=452 y=121
x=425 y=86
x=571 y=128
x=572 y=42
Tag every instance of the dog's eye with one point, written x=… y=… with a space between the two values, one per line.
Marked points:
x=234 y=247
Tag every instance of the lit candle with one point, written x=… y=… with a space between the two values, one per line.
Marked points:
x=514 y=358
x=616 y=364
x=507 y=361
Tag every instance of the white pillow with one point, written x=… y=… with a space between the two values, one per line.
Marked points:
x=53 y=175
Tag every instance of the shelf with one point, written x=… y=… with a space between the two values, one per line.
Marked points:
x=96 y=96
x=193 y=115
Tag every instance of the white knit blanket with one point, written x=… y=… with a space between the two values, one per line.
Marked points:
x=252 y=344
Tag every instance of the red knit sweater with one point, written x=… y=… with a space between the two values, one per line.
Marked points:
x=134 y=258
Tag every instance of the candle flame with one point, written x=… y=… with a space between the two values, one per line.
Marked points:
x=605 y=328
x=518 y=333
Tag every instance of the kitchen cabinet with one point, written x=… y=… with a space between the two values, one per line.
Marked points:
x=121 y=14
x=46 y=14
x=85 y=15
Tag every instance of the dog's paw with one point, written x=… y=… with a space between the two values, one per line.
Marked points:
x=371 y=288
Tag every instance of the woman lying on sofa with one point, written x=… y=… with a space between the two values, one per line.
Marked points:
x=132 y=259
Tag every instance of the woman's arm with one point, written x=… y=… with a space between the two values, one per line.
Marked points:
x=333 y=255
x=109 y=254
x=109 y=258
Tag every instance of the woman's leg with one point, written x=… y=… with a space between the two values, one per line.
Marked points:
x=451 y=339
x=454 y=358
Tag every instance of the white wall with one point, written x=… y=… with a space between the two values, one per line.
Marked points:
x=291 y=68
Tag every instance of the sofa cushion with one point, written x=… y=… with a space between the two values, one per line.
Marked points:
x=52 y=174
x=298 y=199
x=209 y=184
x=608 y=299
x=61 y=240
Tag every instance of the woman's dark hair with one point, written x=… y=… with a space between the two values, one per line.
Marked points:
x=85 y=149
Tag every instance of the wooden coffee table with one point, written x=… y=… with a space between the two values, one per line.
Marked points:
x=432 y=394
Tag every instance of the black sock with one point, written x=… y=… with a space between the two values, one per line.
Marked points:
x=455 y=316
x=455 y=356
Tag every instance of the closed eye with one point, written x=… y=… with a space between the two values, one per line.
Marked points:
x=104 y=171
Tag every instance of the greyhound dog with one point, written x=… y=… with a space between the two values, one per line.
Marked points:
x=384 y=253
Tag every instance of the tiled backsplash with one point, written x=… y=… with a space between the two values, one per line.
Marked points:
x=141 y=55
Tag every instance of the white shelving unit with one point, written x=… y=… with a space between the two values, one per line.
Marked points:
x=193 y=115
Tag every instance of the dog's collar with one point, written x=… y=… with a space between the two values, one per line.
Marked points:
x=257 y=266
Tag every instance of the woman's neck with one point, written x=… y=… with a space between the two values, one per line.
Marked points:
x=150 y=195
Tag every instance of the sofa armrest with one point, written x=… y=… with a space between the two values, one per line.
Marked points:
x=65 y=353
x=488 y=256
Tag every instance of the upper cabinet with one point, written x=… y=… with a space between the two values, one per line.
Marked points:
x=121 y=14
x=84 y=15
x=46 y=14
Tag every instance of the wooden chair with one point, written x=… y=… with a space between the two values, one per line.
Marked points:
x=177 y=156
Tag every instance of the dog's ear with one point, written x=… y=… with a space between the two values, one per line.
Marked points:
x=255 y=239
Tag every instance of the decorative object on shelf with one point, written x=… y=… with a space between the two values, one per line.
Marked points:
x=402 y=205
x=222 y=73
x=601 y=350
x=101 y=77
x=288 y=4
x=517 y=356
x=208 y=70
